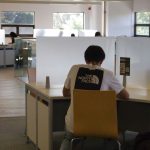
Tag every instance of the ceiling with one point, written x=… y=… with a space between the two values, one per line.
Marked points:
x=57 y=1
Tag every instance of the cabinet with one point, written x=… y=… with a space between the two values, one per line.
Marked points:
x=31 y=119
x=40 y=122
x=43 y=126
x=7 y=56
x=38 y=117
x=1 y=57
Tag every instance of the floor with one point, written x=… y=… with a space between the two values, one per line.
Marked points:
x=12 y=94
x=12 y=101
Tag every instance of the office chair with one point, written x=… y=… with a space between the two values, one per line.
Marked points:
x=95 y=115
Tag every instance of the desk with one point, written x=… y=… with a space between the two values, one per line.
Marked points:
x=41 y=107
x=46 y=110
x=134 y=114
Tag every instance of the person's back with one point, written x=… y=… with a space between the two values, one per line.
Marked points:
x=90 y=76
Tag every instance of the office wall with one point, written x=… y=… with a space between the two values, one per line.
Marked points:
x=56 y=55
x=119 y=15
x=141 y=5
x=43 y=13
x=120 y=18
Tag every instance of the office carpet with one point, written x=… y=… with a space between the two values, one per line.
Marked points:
x=12 y=134
x=12 y=137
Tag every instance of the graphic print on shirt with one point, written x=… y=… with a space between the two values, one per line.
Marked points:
x=89 y=79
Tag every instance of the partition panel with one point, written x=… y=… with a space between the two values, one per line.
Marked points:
x=56 y=55
x=138 y=50
x=2 y=36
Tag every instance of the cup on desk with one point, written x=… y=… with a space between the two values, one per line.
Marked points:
x=47 y=84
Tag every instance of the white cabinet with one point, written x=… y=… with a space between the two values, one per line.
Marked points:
x=7 y=56
x=43 y=126
x=31 y=118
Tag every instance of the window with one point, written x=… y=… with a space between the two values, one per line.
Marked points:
x=21 y=23
x=68 y=21
x=142 y=24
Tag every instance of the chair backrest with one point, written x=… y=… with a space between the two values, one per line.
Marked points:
x=31 y=75
x=95 y=113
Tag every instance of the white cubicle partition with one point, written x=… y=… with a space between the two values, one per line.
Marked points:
x=46 y=32
x=63 y=33
x=55 y=55
x=138 y=49
x=88 y=33
x=67 y=33
x=2 y=36
x=53 y=33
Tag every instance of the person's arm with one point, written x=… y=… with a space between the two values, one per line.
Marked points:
x=123 y=94
x=66 y=92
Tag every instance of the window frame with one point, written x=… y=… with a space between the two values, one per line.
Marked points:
x=17 y=29
x=140 y=25
x=17 y=26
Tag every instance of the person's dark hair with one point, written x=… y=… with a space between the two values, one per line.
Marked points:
x=72 y=35
x=13 y=34
x=94 y=53
x=98 y=33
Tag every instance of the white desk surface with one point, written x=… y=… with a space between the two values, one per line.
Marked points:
x=52 y=93
x=138 y=95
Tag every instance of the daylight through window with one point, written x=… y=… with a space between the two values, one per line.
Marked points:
x=68 y=21
x=20 y=22
x=142 y=24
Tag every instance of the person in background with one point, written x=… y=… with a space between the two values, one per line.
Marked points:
x=89 y=76
x=18 y=56
x=97 y=34
x=72 y=35
x=13 y=35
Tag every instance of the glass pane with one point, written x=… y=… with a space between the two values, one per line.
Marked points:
x=140 y=30
x=9 y=29
x=68 y=20
x=25 y=30
x=12 y=17
x=143 y=18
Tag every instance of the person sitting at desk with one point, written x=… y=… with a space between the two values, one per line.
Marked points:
x=13 y=35
x=90 y=76
x=72 y=35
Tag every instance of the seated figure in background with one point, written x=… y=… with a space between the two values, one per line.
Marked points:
x=72 y=35
x=97 y=34
x=13 y=35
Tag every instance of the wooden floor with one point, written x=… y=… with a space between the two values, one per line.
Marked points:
x=12 y=94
